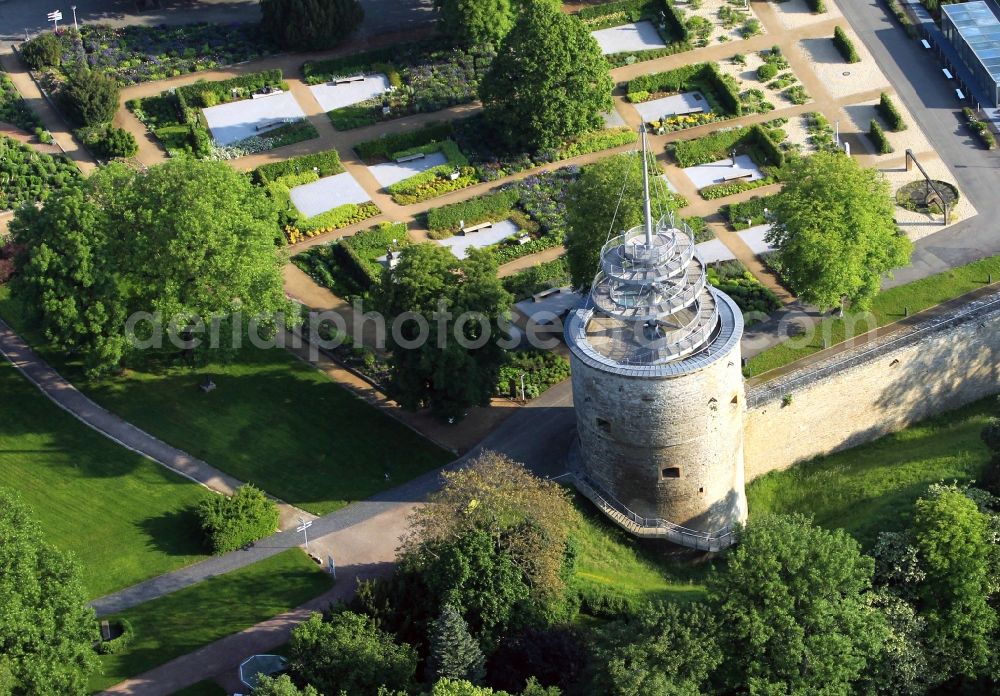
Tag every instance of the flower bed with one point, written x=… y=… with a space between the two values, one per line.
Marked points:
x=541 y=369
x=175 y=117
x=422 y=79
x=981 y=129
x=13 y=110
x=445 y=221
x=27 y=176
x=137 y=54
x=322 y=163
x=731 y=188
x=349 y=267
x=749 y=294
x=737 y=214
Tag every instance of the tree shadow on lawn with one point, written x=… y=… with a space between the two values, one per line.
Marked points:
x=175 y=532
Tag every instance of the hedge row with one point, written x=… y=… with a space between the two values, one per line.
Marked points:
x=844 y=44
x=316 y=71
x=731 y=188
x=528 y=281
x=232 y=522
x=700 y=75
x=890 y=113
x=720 y=144
x=355 y=253
x=878 y=137
x=753 y=210
x=630 y=7
x=325 y=163
x=195 y=94
x=392 y=143
x=491 y=207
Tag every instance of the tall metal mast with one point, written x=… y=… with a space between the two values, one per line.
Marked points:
x=645 y=191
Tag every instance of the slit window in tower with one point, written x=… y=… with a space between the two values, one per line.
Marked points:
x=672 y=472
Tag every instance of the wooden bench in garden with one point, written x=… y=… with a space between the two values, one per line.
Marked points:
x=737 y=176
x=348 y=80
x=477 y=228
x=269 y=125
x=266 y=92
x=410 y=158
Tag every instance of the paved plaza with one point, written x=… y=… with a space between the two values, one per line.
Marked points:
x=327 y=193
x=639 y=36
x=716 y=172
x=461 y=243
x=332 y=96
x=239 y=120
x=753 y=237
x=668 y=106
x=713 y=251
x=389 y=173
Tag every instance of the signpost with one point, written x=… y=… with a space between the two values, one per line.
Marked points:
x=54 y=17
x=303 y=527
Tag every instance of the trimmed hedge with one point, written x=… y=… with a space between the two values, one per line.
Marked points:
x=119 y=643
x=232 y=522
x=202 y=93
x=816 y=6
x=844 y=44
x=705 y=76
x=386 y=146
x=528 y=281
x=731 y=188
x=327 y=163
x=878 y=137
x=720 y=144
x=887 y=109
x=107 y=141
x=490 y=207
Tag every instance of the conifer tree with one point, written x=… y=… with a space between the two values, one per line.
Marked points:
x=455 y=654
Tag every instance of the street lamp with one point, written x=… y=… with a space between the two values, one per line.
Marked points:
x=75 y=25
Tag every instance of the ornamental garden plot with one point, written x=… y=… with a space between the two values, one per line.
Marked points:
x=27 y=176
x=710 y=165
x=635 y=30
x=689 y=96
x=314 y=195
x=366 y=88
x=225 y=119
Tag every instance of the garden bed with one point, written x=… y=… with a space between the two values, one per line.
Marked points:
x=758 y=143
x=178 y=117
x=137 y=54
x=27 y=176
x=350 y=204
x=753 y=298
x=741 y=216
x=539 y=369
x=351 y=266
x=14 y=110
x=667 y=23
x=420 y=78
x=534 y=204
x=545 y=276
x=721 y=95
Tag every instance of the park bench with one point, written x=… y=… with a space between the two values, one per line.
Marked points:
x=269 y=125
x=737 y=176
x=410 y=158
x=539 y=296
x=960 y=94
x=523 y=238
x=265 y=92
x=947 y=73
x=348 y=80
x=692 y=110
x=477 y=228
x=925 y=42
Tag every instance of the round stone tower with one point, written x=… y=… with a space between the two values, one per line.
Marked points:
x=658 y=389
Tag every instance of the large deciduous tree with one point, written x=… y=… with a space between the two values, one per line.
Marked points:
x=457 y=361
x=475 y=22
x=311 y=25
x=548 y=82
x=607 y=200
x=349 y=653
x=793 y=609
x=46 y=628
x=183 y=241
x=951 y=536
x=835 y=232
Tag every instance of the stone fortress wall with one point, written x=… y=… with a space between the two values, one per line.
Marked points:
x=860 y=395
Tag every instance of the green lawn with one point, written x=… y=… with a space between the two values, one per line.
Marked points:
x=889 y=306
x=180 y=623
x=273 y=421
x=872 y=488
x=611 y=562
x=125 y=518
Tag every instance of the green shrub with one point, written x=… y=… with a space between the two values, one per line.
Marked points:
x=887 y=109
x=325 y=163
x=492 y=207
x=766 y=71
x=222 y=91
x=90 y=97
x=844 y=44
x=528 y=281
x=541 y=369
x=979 y=128
x=750 y=295
x=119 y=643
x=43 y=51
x=107 y=141
x=232 y=522
x=387 y=145
x=878 y=137
x=13 y=108
x=731 y=188
x=816 y=6
x=753 y=210
x=594 y=141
